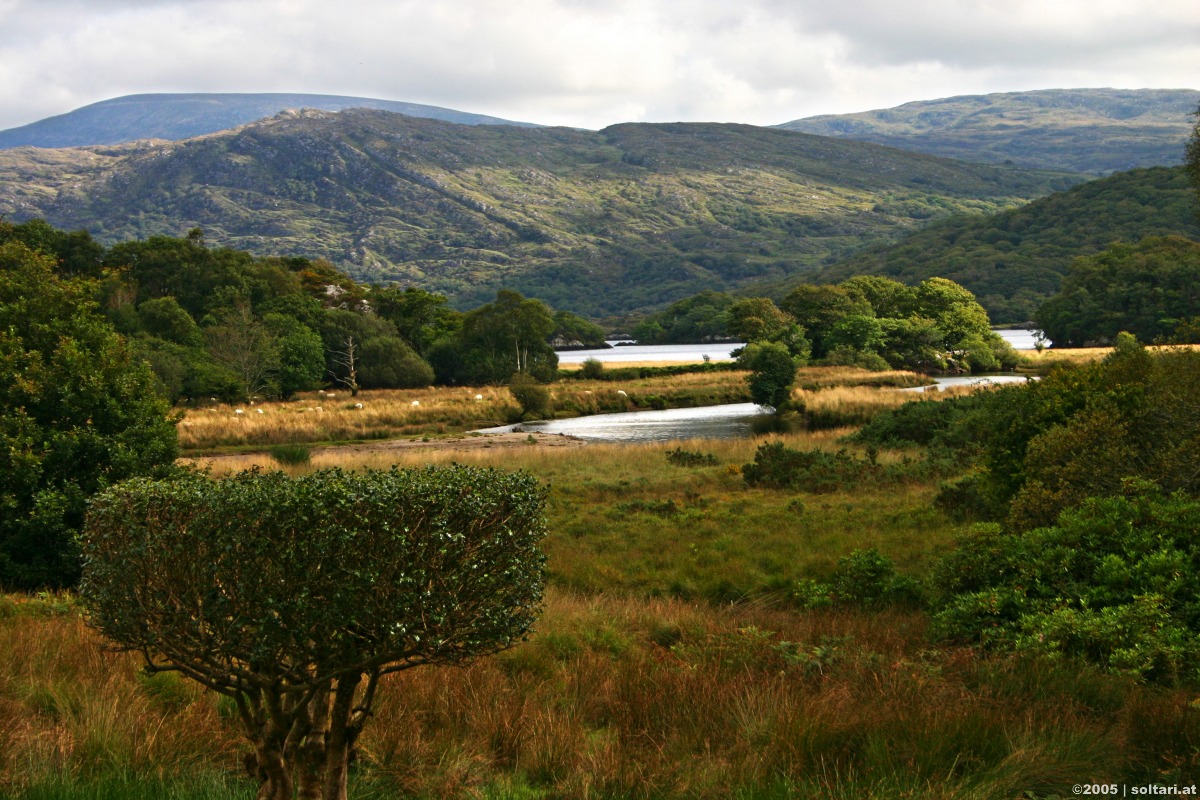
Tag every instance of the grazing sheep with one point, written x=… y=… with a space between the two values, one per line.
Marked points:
x=478 y=397
x=358 y=405
x=261 y=411
x=238 y=411
x=416 y=403
x=622 y=393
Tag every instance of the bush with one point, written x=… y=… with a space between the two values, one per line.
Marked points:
x=685 y=458
x=778 y=467
x=533 y=396
x=1111 y=583
x=290 y=454
x=592 y=369
x=295 y=596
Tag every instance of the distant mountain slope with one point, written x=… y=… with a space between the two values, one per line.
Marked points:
x=1014 y=260
x=601 y=223
x=1097 y=131
x=182 y=116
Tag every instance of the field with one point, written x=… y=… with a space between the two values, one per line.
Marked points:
x=673 y=659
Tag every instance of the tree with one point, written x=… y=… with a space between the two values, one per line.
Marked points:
x=772 y=372
x=391 y=570
x=243 y=345
x=78 y=412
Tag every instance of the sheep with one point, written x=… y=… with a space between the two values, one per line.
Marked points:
x=260 y=411
x=478 y=397
x=622 y=393
x=416 y=403
x=238 y=411
x=358 y=405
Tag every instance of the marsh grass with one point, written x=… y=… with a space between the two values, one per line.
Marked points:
x=620 y=696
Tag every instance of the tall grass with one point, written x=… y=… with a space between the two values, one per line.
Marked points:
x=626 y=697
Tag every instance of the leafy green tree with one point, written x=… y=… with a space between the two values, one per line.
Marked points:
x=533 y=396
x=702 y=317
x=392 y=570
x=300 y=352
x=420 y=317
x=245 y=347
x=387 y=362
x=572 y=329
x=817 y=309
x=1149 y=289
x=164 y=318
x=772 y=373
x=505 y=337
x=78 y=412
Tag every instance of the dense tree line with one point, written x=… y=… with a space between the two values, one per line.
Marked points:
x=868 y=321
x=217 y=323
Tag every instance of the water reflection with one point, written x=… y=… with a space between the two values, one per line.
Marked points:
x=731 y=421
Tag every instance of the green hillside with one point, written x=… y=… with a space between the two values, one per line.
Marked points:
x=1014 y=260
x=601 y=223
x=1098 y=131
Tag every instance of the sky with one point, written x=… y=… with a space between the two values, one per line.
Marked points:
x=592 y=63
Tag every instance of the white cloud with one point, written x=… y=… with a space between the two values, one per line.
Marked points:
x=590 y=62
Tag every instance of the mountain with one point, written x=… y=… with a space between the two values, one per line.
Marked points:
x=1096 y=131
x=597 y=222
x=182 y=116
x=1015 y=260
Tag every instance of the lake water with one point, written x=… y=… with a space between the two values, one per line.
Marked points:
x=709 y=422
x=682 y=353
x=1019 y=338
x=970 y=380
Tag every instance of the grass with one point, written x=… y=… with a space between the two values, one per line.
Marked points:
x=618 y=696
x=670 y=660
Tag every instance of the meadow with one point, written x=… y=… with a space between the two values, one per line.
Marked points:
x=675 y=657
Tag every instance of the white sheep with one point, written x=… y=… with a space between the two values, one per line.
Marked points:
x=238 y=411
x=478 y=397
x=622 y=393
x=261 y=411
x=358 y=405
x=416 y=403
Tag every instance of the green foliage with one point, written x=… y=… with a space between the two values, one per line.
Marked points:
x=290 y=454
x=687 y=458
x=777 y=466
x=592 y=369
x=1147 y=289
x=1015 y=260
x=78 y=412
x=702 y=317
x=532 y=395
x=772 y=373
x=391 y=570
x=1110 y=583
x=498 y=340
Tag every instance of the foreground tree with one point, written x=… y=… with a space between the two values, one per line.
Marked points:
x=78 y=412
x=295 y=597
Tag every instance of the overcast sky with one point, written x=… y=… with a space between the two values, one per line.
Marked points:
x=591 y=63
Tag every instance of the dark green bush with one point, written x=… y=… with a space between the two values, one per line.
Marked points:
x=290 y=454
x=778 y=467
x=686 y=458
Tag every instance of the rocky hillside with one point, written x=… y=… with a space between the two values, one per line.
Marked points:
x=602 y=223
x=1096 y=131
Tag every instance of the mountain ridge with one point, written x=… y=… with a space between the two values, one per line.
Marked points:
x=174 y=117
x=597 y=222
x=1097 y=131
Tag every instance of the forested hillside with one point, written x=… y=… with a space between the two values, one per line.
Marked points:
x=1014 y=260
x=1087 y=130
x=601 y=223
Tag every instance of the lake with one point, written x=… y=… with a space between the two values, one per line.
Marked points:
x=1019 y=338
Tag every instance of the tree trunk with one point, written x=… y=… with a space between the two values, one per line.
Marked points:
x=338 y=742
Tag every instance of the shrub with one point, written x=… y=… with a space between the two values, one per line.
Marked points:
x=778 y=467
x=290 y=454
x=532 y=395
x=686 y=458
x=390 y=570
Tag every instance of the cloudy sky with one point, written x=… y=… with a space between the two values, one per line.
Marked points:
x=591 y=63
